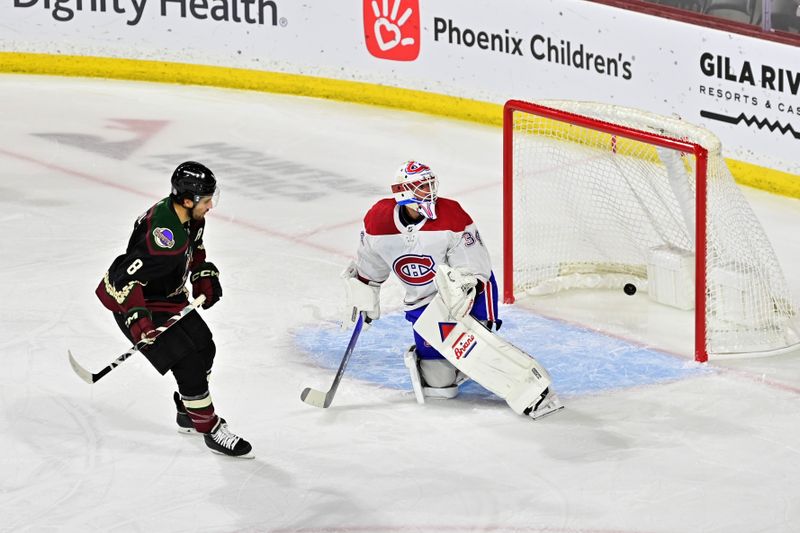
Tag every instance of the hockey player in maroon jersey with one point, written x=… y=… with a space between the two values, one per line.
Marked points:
x=147 y=284
x=421 y=237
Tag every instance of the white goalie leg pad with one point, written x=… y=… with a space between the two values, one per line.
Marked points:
x=494 y=363
x=435 y=378
x=439 y=378
x=410 y=359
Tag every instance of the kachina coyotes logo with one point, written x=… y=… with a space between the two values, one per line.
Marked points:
x=392 y=29
x=164 y=237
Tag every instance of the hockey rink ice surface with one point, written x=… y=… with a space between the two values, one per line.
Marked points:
x=649 y=441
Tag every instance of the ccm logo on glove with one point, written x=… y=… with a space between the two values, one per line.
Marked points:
x=205 y=281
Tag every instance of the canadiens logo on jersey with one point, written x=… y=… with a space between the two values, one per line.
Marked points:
x=164 y=237
x=414 y=269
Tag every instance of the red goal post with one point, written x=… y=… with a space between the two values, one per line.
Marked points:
x=597 y=195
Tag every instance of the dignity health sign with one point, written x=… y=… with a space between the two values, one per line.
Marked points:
x=743 y=89
x=237 y=11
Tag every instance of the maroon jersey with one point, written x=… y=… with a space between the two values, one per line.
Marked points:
x=154 y=269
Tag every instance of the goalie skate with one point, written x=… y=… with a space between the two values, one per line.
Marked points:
x=547 y=404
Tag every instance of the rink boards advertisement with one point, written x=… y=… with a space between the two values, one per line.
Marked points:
x=744 y=89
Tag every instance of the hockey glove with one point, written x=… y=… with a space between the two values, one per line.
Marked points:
x=205 y=281
x=361 y=296
x=140 y=323
x=457 y=288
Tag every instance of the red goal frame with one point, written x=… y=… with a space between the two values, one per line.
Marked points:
x=701 y=157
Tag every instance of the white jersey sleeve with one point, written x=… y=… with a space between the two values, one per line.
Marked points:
x=369 y=262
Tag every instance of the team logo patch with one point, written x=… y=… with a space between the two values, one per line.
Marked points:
x=414 y=269
x=164 y=237
x=445 y=328
x=464 y=344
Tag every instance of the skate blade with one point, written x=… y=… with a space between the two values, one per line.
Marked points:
x=541 y=413
x=248 y=455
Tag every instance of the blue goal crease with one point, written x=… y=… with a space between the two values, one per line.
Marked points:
x=580 y=361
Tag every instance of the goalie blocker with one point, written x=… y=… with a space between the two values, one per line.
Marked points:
x=494 y=363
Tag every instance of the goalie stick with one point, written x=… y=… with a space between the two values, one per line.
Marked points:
x=324 y=399
x=90 y=377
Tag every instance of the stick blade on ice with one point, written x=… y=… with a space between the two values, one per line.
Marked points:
x=314 y=397
x=84 y=374
x=324 y=399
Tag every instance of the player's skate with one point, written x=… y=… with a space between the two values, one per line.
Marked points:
x=182 y=417
x=222 y=441
x=548 y=403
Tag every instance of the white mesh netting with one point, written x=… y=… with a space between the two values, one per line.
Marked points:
x=589 y=208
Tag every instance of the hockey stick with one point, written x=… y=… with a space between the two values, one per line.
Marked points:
x=90 y=377
x=324 y=399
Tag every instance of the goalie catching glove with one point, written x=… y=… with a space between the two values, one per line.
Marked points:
x=362 y=296
x=459 y=290
x=205 y=281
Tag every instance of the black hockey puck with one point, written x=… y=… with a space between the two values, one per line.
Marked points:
x=630 y=289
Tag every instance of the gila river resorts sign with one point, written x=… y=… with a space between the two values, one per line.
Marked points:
x=744 y=75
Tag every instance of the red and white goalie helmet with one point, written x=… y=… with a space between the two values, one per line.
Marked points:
x=416 y=186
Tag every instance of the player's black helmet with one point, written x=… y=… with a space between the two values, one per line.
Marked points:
x=193 y=181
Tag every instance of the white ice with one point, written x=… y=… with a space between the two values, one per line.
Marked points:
x=716 y=449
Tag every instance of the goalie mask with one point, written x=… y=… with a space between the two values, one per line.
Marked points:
x=416 y=186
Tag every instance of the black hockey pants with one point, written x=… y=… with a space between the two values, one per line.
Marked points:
x=186 y=348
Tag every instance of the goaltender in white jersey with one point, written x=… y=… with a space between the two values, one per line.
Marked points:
x=434 y=248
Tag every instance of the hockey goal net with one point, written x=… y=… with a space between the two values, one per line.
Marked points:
x=600 y=196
